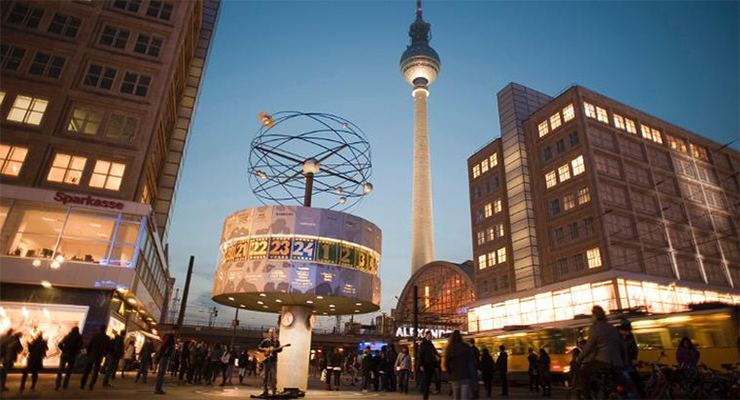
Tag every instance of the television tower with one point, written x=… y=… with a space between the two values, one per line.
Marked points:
x=420 y=66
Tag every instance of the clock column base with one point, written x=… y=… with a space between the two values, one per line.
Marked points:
x=292 y=368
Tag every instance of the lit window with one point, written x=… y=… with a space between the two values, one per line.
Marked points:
x=493 y=160
x=47 y=65
x=481 y=237
x=100 y=77
x=121 y=127
x=491 y=258
x=551 y=179
x=568 y=113
x=656 y=136
x=590 y=110
x=569 y=202
x=500 y=228
x=128 y=5
x=149 y=45
x=25 y=15
x=594 y=258
x=107 y=175
x=675 y=143
x=159 y=9
x=601 y=115
x=555 y=121
x=543 y=129
x=630 y=125
x=2 y=97
x=646 y=133
x=11 y=159
x=28 y=110
x=482 y=261
x=135 y=84
x=564 y=173
x=497 y=206
x=699 y=152
x=484 y=166
x=84 y=120
x=114 y=37
x=66 y=168
x=618 y=121
x=11 y=56
x=583 y=196
x=476 y=171
x=577 y=165
x=491 y=233
x=65 y=25
x=488 y=210
x=501 y=255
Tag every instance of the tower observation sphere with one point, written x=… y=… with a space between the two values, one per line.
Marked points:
x=420 y=64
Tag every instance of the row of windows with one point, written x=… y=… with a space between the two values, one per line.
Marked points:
x=593 y=257
x=490 y=234
x=103 y=77
x=156 y=9
x=490 y=209
x=65 y=168
x=43 y=63
x=494 y=284
x=573 y=231
x=570 y=201
x=118 y=38
x=83 y=119
x=565 y=171
x=560 y=146
x=555 y=121
x=484 y=165
x=31 y=17
x=493 y=258
x=647 y=132
x=493 y=184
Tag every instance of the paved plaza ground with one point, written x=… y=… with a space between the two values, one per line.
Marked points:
x=127 y=389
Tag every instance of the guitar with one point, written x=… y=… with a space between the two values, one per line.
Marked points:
x=270 y=351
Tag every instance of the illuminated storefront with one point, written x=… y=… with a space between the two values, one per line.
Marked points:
x=555 y=303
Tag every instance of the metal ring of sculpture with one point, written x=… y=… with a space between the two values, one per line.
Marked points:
x=292 y=144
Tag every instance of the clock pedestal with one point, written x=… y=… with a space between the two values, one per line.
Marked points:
x=295 y=328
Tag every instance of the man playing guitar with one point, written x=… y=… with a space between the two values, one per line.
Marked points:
x=270 y=346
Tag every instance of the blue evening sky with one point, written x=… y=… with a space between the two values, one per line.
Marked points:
x=675 y=60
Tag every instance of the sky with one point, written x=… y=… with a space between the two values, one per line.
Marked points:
x=678 y=61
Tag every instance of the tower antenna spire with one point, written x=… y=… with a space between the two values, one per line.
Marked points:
x=418 y=9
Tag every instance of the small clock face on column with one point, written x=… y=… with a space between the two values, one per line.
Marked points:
x=287 y=319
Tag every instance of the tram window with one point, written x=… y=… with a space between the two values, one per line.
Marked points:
x=678 y=332
x=649 y=340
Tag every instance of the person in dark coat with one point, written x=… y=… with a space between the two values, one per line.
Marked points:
x=165 y=351
x=70 y=347
x=426 y=361
x=116 y=348
x=474 y=390
x=625 y=329
x=11 y=347
x=604 y=349
x=543 y=370
x=502 y=366
x=687 y=355
x=460 y=365
x=184 y=362
x=487 y=369
x=145 y=360
x=96 y=350
x=36 y=353
x=534 y=385
x=366 y=367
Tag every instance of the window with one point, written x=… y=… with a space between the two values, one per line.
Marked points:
x=547 y=153
x=558 y=236
x=590 y=110
x=588 y=225
x=11 y=159
x=121 y=127
x=646 y=133
x=114 y=37
x=149 y=45
x=476 y=171
x=569 y=201
x=159 y=9
x=25 y=15
x=65 y=25
x=67 y=169
x=656 y=136
x=107 y=175
x=501 y=255
x=28 y=110
x=488 y=210
x=583 y=196
x=578 y=166
x=699 y=152
x=47 y=65
x=578 y=262
x=675 y=143
x=491 y=234
x=497 y=206
x=543 y=129
x=561 y=266
x=618 y=121
x=555 y=121
x=573 y=138
x=594 y=258
x=481 y=237
x=568 y=113
x=560 y=145
x=500 y=229
x=482 y=261
x=491 y=258
x=564 y=173
x=127 y=5
x=573 y=229
x=11 y=57
x=496 y=182
x=493 y=160
x=84 y=120
x=551 y=179
x=479 y=215
x=555 y=206
x=484 y=166
x=601 y=115
x=630 y=125
x=100 y=77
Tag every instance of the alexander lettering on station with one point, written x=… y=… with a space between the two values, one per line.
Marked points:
x=88 y=200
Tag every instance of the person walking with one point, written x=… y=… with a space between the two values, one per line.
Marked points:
x=69 y=348
x=543 y=370
x=10 y=349
x=366 y=368
x=243 y=362
x=460 y=365
x=115 y=352
x=129 y=355
x=214 y=366
x=145 y=360
x=225 y=358
x=390 y=370
x=184 y=363
x=502 y=366
x=575 y=384
x=474 y=389
x=487 y=368
x=426 y=361
x=402 y=367
x=336 y=364
x=164 y=353
x=625 y=329
x=36 y=353
x=95 y=350
x=534 y=384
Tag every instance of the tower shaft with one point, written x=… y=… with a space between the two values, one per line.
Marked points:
x=422 y=225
